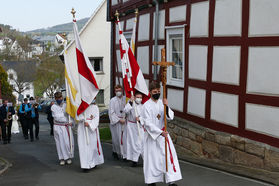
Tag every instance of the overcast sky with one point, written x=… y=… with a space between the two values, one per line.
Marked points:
x=26 y=15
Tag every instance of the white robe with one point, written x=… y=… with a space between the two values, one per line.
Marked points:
x=90 y=155
x=118 y=131
x=62 y=133
x=134 y=143
x=15 y=128
x=154 y=146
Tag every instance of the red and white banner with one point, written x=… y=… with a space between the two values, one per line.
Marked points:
x=132 y=75
x=88 y=84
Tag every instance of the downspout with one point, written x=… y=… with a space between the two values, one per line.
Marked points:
x=156 y=32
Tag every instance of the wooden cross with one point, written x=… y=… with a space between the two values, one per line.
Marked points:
x=164 y=65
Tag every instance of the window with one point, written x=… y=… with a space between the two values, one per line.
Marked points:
x=177 y=57
x=175 y=53
x=97 y=63
x=100 y=97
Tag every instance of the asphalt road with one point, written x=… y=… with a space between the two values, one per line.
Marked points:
x=36 y=164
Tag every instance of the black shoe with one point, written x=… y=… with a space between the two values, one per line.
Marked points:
x=5 y=142
x=115 y=155
x=32 y=140
x=37 y=138
x=152 y=184
x=85 y=170
x=173 y=184
x=9 y=141
x=26 y=138
x=134 y=164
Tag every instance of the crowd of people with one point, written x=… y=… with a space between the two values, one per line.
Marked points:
x=137 y=129
x=27 y=114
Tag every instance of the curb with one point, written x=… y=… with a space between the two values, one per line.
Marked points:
x=7 y=165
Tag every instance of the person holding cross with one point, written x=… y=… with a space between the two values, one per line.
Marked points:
x=154 y=141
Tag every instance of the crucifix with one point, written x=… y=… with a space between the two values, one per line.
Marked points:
x=164 y=65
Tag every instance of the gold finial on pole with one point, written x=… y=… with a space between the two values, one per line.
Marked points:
x=74 y=13
x=136 y=11
x=117 y=14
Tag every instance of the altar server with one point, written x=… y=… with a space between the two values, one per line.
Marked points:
x=154 y=142
x=62 y=132
x=90 y=154
x=134 y=134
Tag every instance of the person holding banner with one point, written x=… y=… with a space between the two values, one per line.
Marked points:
x=117 y=121
x=134 y=140
x=62 y=133
x=90 y=155
x=154 y=141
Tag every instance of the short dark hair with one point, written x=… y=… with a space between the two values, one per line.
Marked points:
x=25 y=99
x=31 y=98
x=138 y=92
x=154 y=85
x=58 y=95
x=117 y=86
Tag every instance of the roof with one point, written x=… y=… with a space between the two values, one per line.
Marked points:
x=85 y=26
x=27 y=69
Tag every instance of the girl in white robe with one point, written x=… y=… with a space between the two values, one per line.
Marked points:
x=90 y=154
x=134 y=142
x=15 y=128
x=154 y=146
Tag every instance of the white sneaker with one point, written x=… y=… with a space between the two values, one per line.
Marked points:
x=62 y=162
x=69 y=161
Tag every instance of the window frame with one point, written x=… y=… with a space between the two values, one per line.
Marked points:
x=174 y=32
x=91 y=59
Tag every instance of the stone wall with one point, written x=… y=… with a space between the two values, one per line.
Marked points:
x=192 y=140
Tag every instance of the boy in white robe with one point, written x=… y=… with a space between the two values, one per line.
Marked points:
x=62 y=132
x=154 y=142
x=90 y=155
x=117 y=122
x=134 y=141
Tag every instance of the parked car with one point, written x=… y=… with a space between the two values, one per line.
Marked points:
x=44 y=105
x=104 y=117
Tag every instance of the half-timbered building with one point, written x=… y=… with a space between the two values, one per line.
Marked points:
x=224 y=86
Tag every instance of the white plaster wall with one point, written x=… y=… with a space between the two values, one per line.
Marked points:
x=96 y=31
x=176 y=99
x=196 y=102
x=143 y=31
x=263 y=67
x=159 y=56
x=161 y=34
x=224 y=108
x=114 y=2
x=177 y=14
x=118 y=60
x=197 y=62
x=262 y=119
x=226 y=64
x=117 y=81
x=264 y=16
x=143 y=59
x=130 y=23
x=228 y=15
x=199 y=19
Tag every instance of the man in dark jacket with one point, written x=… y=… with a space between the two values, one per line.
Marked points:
x=6 y=114
x=50 y=118
x=35 y=107
x=25 y=117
